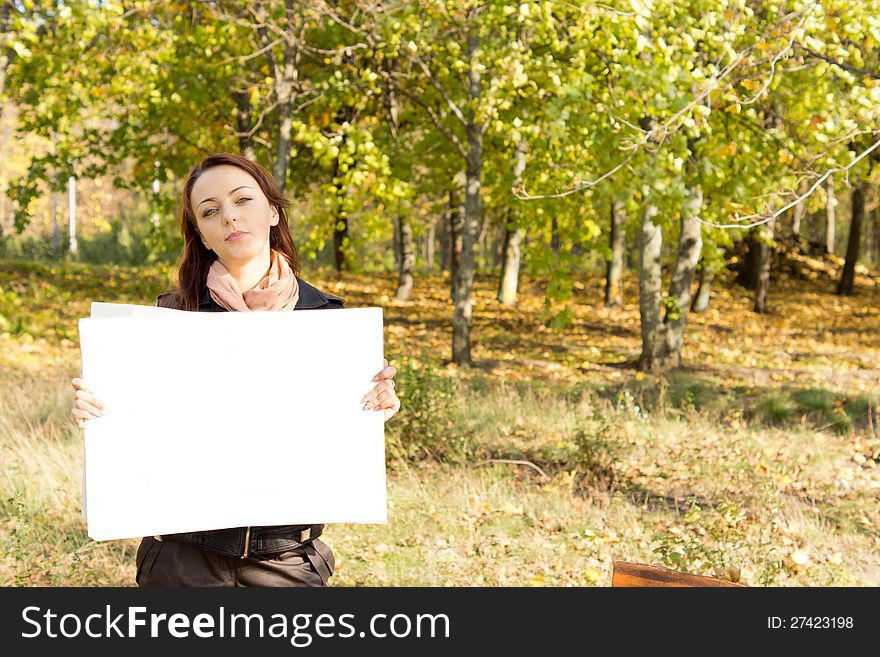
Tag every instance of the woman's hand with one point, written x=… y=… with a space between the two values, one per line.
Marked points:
x=85 y=405
x=383 y=397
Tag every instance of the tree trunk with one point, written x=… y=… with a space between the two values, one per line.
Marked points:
x=877 y=227
x=554 y=235
x=395 y=242
x=650 y=291
x=510 y=263
x=464 y=280
x=456 y=227
x=430 y=244
x=444 y=237
x=56 y=229
x=72 y=244
x=407 y=259
x=690 y=245
x=750 y=269
x=498 y=243
x=614 y=272
x=704 y=292
x=341 y=239
x=830 y=215
x=286 y=88
x=483 y=243
x=124 y=231
x=282 y=150
x=797 y=215
x=243 y=124
x=341 y=242
x=513 y=235
x=765 y=257
x=848 y=278
x=341 y=235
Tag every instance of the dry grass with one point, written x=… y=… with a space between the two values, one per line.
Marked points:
x=784 y=508
x=716 y=471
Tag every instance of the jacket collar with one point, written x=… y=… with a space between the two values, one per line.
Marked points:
x=309 y=297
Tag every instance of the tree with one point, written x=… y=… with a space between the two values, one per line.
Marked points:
x=614 y=272
x=848 y=276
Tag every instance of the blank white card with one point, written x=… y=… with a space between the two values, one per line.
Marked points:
x=216 y=420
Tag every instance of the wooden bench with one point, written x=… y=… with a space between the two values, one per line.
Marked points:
x=627 y=574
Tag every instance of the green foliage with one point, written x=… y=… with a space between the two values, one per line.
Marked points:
x=709 y=541
x=820 y=407
x=10 y=312
x=861 y=407
x=690 y=394
x=53 y=562
x=598 y=452
x=777 y=408
x=633 y=101
x=428 y=428
x=815 y=399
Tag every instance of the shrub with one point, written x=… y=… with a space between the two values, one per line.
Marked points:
x=815 y=399
x=425 y=426
x=598 y=452
x=777 y=408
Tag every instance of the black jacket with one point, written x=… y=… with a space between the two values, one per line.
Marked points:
x=258 y=541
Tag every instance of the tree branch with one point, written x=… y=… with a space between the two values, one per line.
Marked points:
x=843 y=65
x=438 y=123
x=768 y=217
x=521 y=194
x=660 y=132
x=245 y=58
x=439 y=87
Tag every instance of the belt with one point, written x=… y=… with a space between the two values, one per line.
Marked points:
x=244 y=542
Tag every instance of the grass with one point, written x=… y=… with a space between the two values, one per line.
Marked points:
x=539 y=469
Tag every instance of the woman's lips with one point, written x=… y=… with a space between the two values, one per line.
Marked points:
x=237 y=235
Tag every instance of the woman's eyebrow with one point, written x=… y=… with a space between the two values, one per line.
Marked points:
x=229 y=194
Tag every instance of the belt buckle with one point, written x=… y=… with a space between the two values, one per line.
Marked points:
x=305 y=535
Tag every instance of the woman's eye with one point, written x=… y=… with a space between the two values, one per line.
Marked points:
x=243 y=198
x=208 y=212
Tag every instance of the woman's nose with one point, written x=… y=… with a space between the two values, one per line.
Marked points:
x=230 y=214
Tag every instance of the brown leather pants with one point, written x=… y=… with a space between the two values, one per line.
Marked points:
x=172 y=563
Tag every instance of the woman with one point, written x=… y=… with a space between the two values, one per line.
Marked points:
x=238 y=255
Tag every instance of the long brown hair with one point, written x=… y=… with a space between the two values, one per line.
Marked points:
x=196 y=259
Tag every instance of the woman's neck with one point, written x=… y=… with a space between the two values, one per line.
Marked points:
x=248 y=274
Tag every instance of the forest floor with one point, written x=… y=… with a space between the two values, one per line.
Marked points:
x=545 y=462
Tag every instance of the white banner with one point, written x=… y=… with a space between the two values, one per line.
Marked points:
x=216 y=420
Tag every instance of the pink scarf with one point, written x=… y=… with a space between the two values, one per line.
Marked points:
x=279 y=289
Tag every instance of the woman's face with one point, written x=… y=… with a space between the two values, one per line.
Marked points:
x=233 y=215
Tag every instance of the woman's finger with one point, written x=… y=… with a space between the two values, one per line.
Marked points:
x=378 y=389
x=88 y=407
x=80 y=416
x=84 y=395
x=80 y=384
x=382 y=395
x=388 y=384
x=385 y=400
x=387 y=372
